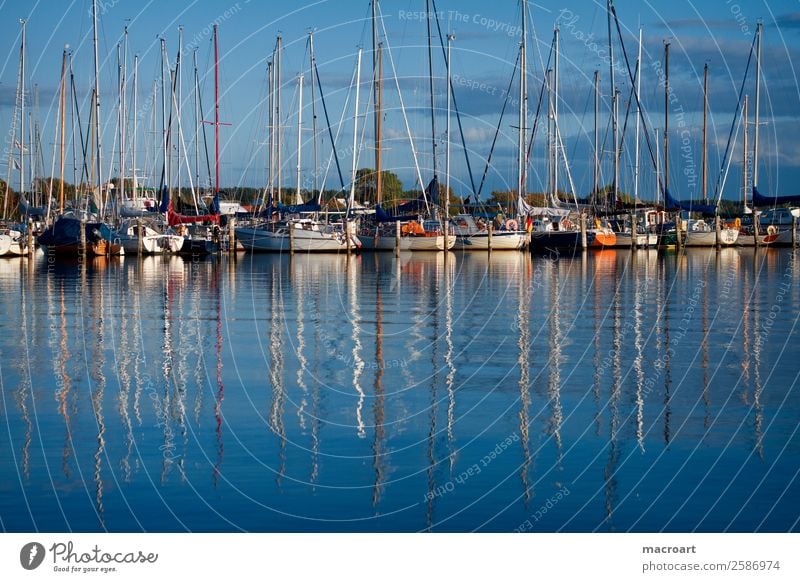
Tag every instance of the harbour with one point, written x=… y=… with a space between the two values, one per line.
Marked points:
x=381 y=268
x=647 y=391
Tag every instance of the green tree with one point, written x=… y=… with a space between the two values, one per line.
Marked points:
x=366 y=184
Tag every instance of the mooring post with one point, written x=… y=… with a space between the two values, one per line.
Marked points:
x=584 y=242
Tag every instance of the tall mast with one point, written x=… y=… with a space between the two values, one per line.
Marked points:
x=596 y=135
x=355 y=135
x=705 y=128
x=179 y=105
x=299 y=199
x=758 y=104
x=97 y=123
x=197 y=120
x=550 y=164
x=523 y=114
x=430 y=82
x=22 y=116
x=658 y=165
x=135 y=183
x=63 y=128
x=119 y=191
x=123 y=134
x=377 y=73
x=555 y=111
x=312 y=64
x=615 y=114
x=638 y=120
x=614 y=124
x=216 y=111
x=666 y=119
x=450 y=38
x=164 y=136
x=271 y=137
x=744 y=154
x=277 y=125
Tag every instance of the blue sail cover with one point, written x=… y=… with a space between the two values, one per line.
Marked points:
x=760 y=200
x=382 y=216
x=26 y=209
x=67 y=231
x=164 y=200
x=671 y=204
x=433 y=190
x=296 y=208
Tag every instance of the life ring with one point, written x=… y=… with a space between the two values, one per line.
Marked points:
x=512 y=224
x=771 y=230
x=738 y=222
x=566 y=224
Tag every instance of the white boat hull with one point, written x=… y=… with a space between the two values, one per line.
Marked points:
x=263 y=240
x=501 y=241
x=305 y=241
x=784 y=238
x=407 y=243
x=313 y=241
x=727 y=237
x=152 y=244
x=624 y=240
x=5 y=244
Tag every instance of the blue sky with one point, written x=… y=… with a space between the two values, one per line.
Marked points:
x=487 y=39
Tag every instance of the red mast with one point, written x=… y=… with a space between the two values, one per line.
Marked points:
x=216 y=111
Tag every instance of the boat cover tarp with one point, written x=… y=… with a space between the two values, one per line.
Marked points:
x=67 y=231
x=382 y=216
x=671 y=203
x=760 y=200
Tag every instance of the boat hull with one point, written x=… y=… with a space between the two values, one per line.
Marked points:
x=559 y=239
x=624 y=240
x=407 y=243
x=727 y=237
x=501 y=241
x=260 y=240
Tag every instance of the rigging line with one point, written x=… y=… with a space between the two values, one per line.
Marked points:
x=627 y=114
x=497 y=130
x=330 y=129
x=455 y=106
x=338 y=131
x=538 y=109
x=405 y=117
x=717 y=186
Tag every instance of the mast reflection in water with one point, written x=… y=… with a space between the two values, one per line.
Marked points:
x=411 y=393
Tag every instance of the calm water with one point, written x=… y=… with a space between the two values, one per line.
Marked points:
x=606 y=393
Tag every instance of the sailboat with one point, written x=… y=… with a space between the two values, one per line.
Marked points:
x=472 y=235
x=414 y=225
x=200 y=231
x=784 y=236
x=698 y=232
x=13 y=240
x=555 y=227
x=747 y=232
x=304 y=231
x=78 y=232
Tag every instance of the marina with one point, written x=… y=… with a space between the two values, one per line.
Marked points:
x=433 y=278
x=651 y=391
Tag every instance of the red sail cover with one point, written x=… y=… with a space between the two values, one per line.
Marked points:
x=174 y=218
